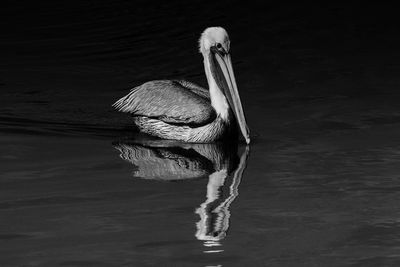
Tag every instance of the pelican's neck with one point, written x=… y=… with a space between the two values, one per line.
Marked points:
x=218 y=100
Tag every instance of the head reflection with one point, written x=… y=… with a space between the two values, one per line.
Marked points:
x=170 y=160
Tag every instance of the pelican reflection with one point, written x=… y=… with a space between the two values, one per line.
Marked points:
x=169 y=160
x=222 y=189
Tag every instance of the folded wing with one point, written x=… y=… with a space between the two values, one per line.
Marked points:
x=174 y=102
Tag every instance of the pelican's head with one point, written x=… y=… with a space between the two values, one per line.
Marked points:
x=214 y=45
x=214 y=36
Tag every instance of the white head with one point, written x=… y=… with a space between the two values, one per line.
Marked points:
x=212 y=37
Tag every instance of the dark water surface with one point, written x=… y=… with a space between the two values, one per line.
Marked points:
x=319 y=185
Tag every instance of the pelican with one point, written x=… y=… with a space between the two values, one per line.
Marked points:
x=181 y=110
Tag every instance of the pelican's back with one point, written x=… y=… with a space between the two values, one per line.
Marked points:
x=173 y=102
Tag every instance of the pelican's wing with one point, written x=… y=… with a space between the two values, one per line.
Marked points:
x=177 y=102
x=195 y=88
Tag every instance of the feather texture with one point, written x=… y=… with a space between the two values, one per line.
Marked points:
x=202 y=134
x=173 y=102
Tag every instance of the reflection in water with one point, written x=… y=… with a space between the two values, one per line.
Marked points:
x=170 y=160
x=214 y=212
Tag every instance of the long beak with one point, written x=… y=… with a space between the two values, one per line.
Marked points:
x=232 y=94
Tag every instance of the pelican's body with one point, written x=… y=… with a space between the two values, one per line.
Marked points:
x=184 y=111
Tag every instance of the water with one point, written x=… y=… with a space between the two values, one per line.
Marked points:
x=319 y=185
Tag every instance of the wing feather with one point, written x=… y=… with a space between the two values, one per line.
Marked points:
x=175 y=102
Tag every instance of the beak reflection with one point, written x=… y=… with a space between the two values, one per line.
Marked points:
x=165 y=160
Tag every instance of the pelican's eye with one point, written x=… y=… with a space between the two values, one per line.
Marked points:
x=218 y=49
